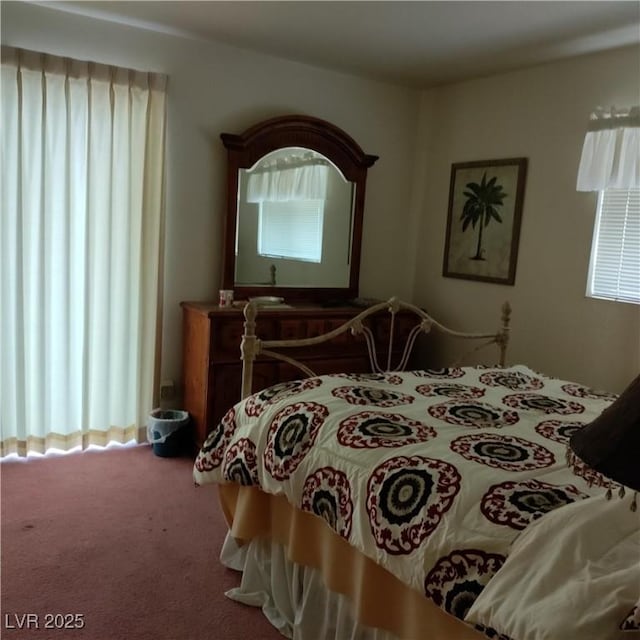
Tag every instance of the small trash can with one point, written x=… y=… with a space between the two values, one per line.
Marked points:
x=166 y=432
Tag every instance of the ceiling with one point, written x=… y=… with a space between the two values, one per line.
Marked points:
x=419 y=43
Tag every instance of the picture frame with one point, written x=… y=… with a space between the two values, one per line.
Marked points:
x=484 y=219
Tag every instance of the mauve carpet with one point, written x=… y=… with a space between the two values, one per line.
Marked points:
x=123 y=538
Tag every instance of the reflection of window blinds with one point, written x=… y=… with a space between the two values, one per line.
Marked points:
x=615 y=255
x=291 y=229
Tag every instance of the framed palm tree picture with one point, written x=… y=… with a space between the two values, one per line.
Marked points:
x=483 y=224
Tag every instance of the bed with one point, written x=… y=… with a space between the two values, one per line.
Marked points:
x=424 y=504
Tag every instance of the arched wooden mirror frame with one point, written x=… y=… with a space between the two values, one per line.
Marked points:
x=245 y=149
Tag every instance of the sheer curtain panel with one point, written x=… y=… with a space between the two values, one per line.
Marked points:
x=82 y=184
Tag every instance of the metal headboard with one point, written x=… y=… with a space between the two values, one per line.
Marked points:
x=252 y=346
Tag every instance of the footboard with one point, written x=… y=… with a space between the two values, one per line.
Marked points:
x=252 y=346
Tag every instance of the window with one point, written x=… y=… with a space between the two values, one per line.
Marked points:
x=614 y=269
x=291 y=229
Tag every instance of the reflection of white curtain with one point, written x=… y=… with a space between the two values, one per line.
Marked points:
x=80 y=228
x=281 y=183
x=611 y=151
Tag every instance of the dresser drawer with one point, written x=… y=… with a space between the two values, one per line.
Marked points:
x=226 y=335
x=299 y=328
x=225 y=384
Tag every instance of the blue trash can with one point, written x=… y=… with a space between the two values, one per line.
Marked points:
x=167 y=433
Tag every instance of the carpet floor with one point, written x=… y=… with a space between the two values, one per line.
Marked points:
x=120 y=543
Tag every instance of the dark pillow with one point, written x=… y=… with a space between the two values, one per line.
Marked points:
x=611 y=443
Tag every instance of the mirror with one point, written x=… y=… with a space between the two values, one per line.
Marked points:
x=295 y=207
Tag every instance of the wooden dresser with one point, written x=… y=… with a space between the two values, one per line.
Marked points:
x=211 y=352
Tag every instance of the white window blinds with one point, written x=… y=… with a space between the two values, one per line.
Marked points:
x=614 y=270
x=291 y=229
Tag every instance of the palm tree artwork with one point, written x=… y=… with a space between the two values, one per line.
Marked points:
x=481 y=206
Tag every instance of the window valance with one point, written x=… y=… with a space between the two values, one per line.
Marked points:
x=611 y=151
x=290 y=178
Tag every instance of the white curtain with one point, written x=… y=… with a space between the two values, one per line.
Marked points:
x=611 y=151
x=293 y=178
x=80 y=229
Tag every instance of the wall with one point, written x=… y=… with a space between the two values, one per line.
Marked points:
x=541 y=114
x=216 y=88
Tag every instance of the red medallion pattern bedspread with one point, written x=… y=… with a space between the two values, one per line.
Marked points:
x=432 y=474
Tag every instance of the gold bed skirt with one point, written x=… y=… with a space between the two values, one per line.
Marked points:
x=379 y=599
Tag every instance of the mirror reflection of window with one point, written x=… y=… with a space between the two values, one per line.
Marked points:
x=295 y=212
x=291 y=229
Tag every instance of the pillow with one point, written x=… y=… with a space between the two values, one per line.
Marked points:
x=610 y=443
x=574 y=573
